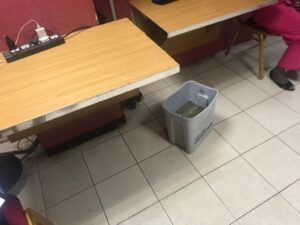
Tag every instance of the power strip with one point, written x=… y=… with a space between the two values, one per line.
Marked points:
x=30 y=49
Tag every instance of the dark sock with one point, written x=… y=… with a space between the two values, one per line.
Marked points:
x=293 y=74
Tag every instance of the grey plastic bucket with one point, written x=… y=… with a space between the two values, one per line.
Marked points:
x=188 y=133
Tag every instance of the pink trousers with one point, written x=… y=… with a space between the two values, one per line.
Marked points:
x=285 y=21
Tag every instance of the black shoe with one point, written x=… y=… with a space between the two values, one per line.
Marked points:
x=289 y=86
x=292 y=74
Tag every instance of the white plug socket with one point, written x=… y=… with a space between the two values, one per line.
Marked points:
x=42 y=34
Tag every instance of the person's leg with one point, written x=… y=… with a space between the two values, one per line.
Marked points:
x=288 y=66
x=293 y=74
x=284 y=21
x=278 y=75
x=290 y=59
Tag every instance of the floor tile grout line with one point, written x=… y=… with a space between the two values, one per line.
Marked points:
x=59 y=162
x=229 y=117
x=137 y=161
x=156 y=155
x=288 y=186
x=262 y=124
x=153 y=92
x=183 y=187
x=271 y=95
x=284 y=142
x=207 y=69
x=62 y=161
x=281 y=194
x=69 y=197
x=242 y=154
x=224 y=164
x=228 y=99
x=102 y=142
x=101 y=204
x=257 y=103
x=94 y=186
x=140 y=124
x=245 y=111
x=276 y=190
x=219 y=89
x=260 y=174
x=294 y=110
x=289 y=203
x=220 y=199
x=43 y=195
x=115 y=174
x=255 y=73
x=152 y=188
x=202 y=177
x=146 y=177
x=123 y=170
x=239 y=153
x=46 y=208
x=265 y=201
x=151 y=111
x=135 y=214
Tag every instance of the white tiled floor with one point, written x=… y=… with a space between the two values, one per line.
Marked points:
x=246 y=171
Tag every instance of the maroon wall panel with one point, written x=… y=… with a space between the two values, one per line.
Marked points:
x=59 y=16
x=122 y=8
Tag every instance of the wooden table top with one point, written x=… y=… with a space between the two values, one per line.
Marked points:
x=92 y=66
x=181 y=16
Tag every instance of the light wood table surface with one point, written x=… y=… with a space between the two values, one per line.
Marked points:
x=92 y=66
x=182 y=16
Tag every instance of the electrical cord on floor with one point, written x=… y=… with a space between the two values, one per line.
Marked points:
x=23 y=151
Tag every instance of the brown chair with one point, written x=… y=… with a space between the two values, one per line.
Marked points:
x=33 y=218
x=260 y=34
x=12 y=213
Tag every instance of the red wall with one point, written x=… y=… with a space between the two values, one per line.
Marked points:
x=122 y=8
x=58 y=16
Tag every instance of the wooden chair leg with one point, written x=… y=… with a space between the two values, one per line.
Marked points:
x=232 y=42
x=34 y=218
x=261 y=69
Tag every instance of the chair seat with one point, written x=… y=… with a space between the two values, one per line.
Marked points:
x=251 y=24
x=12 y=212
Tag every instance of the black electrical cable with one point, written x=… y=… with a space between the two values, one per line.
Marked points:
x=29 y=140
x=34 y=143
x=82 y=28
